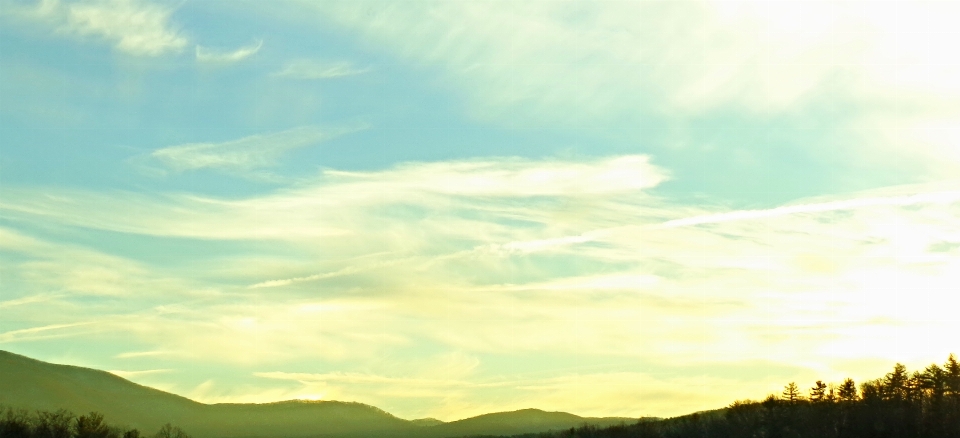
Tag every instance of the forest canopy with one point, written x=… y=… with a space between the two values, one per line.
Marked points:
x=21 y=423
x=918 y=404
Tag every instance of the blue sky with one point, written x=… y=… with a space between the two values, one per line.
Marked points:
x=451 y=208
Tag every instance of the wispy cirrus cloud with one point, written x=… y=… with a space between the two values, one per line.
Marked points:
x=559 y=64
x=139 y=373
x=205 y=54
x=135 y=27
x=41 y=332
x=940 y=197
x=319 y=209
x=512 y=177
x=722 y=61
x=138 y=354
x=315 y=69
x=505 y=260
x=248 y=153
x=47 y=270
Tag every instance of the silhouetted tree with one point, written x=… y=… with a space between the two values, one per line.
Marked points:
x=871 y=391
x=168 y=431
x=895 y=383
x=952 y=396
x=20 y=423
x=53 y=424
x=952 y=368
x=15 y=424
x=791 y=393
x=900 y=404
x=819 y=392
x=91 y=426
x=847 y=391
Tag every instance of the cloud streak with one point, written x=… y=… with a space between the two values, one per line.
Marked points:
x=208 y=55
x=314 y=69
x=325 y=207
x=42 y=332
x=139 y=373
x=945 y=197
x=248 y=153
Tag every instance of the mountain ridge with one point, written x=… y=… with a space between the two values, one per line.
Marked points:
x=33 y=384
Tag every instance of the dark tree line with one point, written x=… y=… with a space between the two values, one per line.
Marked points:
x=901 y=404
x=21 y=423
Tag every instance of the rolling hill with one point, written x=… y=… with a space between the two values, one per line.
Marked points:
x=519 y=422
x=33 y=384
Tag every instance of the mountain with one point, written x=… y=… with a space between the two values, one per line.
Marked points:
x=426 y=422
x=518 y=422
x=33 y=384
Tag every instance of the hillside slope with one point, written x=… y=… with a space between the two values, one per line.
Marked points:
x=518 y=422
x=33 y=384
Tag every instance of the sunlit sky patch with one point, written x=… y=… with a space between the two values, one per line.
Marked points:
x=445 y=209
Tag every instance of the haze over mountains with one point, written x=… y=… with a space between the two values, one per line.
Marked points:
x=33 y=384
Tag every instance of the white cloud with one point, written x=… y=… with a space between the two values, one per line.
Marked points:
x=603 y=55
x=888 y=69
x=940 y=197
x=54 y=270
x=136 y=354
x=139 y=373
x=135 y=27
x=247 y=153
x=511 y=177
x=496 y=259
x=220 y=57
x=31 y=299
x=313 y=69
x=39 y=333
x=323 y=208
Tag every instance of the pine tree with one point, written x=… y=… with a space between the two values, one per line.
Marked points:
x=848 y=391
x=952 y=406
x=871 y=390
x=952 y=369
x=791 y=393
x=819 y=392
x=916 y=387
x=895 y=383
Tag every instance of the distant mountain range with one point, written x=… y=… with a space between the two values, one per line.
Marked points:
x=33 y=384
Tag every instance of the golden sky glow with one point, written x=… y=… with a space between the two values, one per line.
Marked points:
x=606 y=208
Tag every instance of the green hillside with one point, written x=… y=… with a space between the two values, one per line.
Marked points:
x=517 y=422
x=33 y=384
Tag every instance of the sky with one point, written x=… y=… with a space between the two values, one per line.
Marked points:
x=450 y=208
